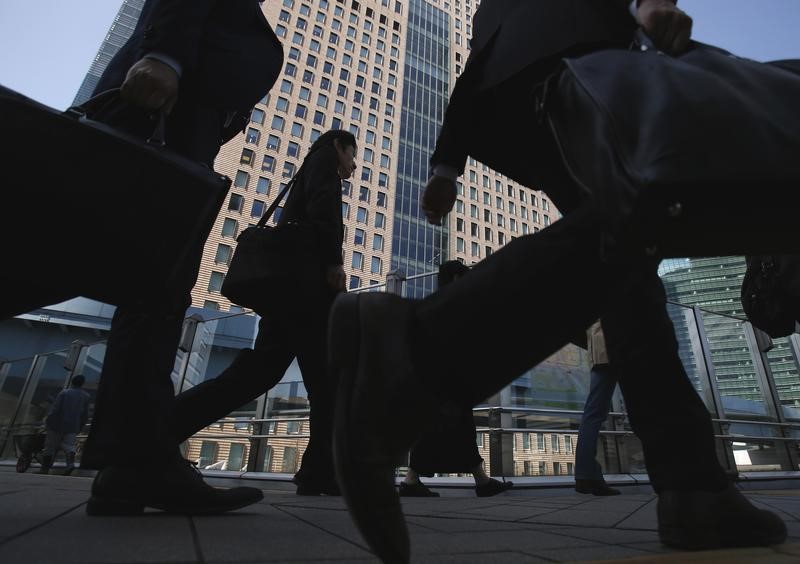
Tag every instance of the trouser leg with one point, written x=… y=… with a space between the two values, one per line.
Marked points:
x=317 y=463
x=135 y=396
x=251 y=374
x=595 y=412
x=664 y=409
x=535 y=277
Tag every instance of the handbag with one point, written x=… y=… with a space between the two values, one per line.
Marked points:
x=273 y=266
x=93 y=211
x=703 y=144
x=771 y=293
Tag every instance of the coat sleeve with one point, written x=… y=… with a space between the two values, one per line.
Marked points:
x=450 y=147
x=175 y=28
x=323 y=197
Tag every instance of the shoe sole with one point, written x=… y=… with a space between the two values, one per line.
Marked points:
x=381 y=533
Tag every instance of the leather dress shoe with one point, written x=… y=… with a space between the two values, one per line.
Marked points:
x=416 y=490
x=492 y=487
x=595 y=487
x=383 y=405
x=701 y=520
x=177 y=487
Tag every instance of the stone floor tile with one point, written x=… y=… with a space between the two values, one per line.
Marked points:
x=478 y=558
x=599 y=552
x=462 y=524
x=580 y=517
x=607 y=535
x=80 y=539
x=527 y=541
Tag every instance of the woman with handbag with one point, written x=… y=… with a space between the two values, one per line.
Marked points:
x=298 y=275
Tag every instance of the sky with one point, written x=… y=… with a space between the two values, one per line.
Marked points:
x=48 y=45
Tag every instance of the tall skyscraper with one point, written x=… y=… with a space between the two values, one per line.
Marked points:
x=714 y=284
x=121 y=29
x=382 y=69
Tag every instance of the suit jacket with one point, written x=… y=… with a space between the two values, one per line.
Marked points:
x=517 y=44
x=228 y=53
x=316 y=199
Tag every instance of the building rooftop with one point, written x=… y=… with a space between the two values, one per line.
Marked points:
x=42 y=520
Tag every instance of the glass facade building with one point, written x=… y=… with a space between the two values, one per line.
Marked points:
x=119 y=32
x=417 y=246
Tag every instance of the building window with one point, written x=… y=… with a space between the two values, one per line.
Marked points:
x=554 y=442
x=229 y=227
x=241 y=179
x=273 y=143
x=375 y=266
x=211 y=304
x=380 y=219
x=289 y=465
x=355 y=282
x=253 y=135
x=247 y=157
x=215 y=281
x=235 y=202
x=268 y=164
x=208 y=454
x=540 y=442
x=257 y=116
x=358 y=261
x=278 y=123
x=363 y=194
x=568 y=443
x=262 y=186
x=358 y=237
x=223 y=255
x=362 y=215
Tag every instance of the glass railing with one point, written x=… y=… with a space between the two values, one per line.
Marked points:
x=527 y=429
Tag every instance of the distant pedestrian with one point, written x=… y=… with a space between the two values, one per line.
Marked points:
x=64 y=420
x=603 y=381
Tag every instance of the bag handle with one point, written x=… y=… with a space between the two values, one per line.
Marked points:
x=103 y=100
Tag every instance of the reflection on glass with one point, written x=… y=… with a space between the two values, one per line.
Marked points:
x=783 y=365
x=560 y=382
x=756 y=456
x=689 y=348
x=734 y=368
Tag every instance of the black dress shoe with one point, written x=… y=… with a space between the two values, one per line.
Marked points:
x=416 y=490
x=177 y=487
x=595 y=487
x=699 y=520
x=383 y=404
x=492 y=487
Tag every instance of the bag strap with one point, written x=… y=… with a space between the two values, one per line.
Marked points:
x=274 y=205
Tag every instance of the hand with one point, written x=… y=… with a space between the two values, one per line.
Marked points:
x=438 y=198
x=335 y=277
x=152 y=85
x=668 y=26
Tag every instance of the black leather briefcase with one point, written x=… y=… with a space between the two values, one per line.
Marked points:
x=90 y=211
x=705 y=144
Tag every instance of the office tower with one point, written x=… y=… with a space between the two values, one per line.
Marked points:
x=119 y=32
x=382 y=69
x=714 y=285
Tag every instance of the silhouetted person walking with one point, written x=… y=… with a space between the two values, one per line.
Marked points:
x=400 y=360
x=293 y=328
x=65 y=419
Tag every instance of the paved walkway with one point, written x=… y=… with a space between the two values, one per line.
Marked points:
x=42 y=520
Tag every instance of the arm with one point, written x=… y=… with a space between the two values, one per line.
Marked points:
x=172 y=41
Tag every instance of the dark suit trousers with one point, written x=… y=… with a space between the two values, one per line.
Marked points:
x=299 y=332
x=562 y=279
x=136 y=395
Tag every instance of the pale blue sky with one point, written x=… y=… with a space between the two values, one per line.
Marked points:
x=48 y=45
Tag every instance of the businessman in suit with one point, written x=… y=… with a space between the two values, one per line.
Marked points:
x=384 y=402
x=205 y=63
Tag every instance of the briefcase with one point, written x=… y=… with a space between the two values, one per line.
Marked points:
x=274 y=268
x=92 y=211
x=704 y=144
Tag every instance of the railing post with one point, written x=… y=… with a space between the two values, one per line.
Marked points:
x=501 y=445
x=72 y=361
x=185 y=345
x=394 y=282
